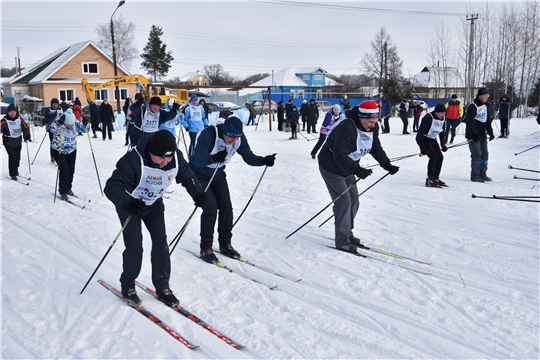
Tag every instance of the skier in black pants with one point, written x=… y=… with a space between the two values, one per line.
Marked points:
x=214 y=148
x=505 y=108
x=136 y=188
x=313 y=116
x=14 y=129
x=432 y=125
x=106 y=114
x=404 y=114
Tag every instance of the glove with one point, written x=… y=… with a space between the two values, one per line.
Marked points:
x=491 y=137
x=62 y=120
x=392 y=169
x=424 y=151
x=444 y=148
x=363 y=173
x=219 y=157
x=85 y=121
x=134 y=206
x=200 y=199
x=475 y=138
x=175 y=106
x=269 y=160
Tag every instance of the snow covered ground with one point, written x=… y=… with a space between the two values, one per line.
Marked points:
x=481 y=300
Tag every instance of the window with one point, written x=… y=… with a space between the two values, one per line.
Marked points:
x=66 y=94
x=90 y=68
x=124 y=94
x=306 y=77
x=319 y=94
x=317 y=77
x=300 y=94
x=292 y=92
x=101 y=94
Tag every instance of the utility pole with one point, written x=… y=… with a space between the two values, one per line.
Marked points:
x=116 y=90
x=470 y=84
x=18 y=61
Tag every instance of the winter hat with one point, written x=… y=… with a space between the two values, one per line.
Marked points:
x=54 y=101
x=162 y=144
x=336 y=108
x=232 y=127
x=171 y=103
x=11 y=107
x=193 y=97
x=368 y=110
x=138 y=96
x=69 y=117
x=454 y=96
x=482 y=91
x=304 y=102
x=155 y=100
x=440 y=108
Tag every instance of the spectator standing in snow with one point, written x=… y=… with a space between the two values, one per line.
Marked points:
x=404 y=114
x=64 y=149
x=252 y=114
x=505 y=108
x=331 y=117
x=417 y=112
x=454 y=112
x=288 y=109
x=125 y=109
x=386 y=109
x=106 y=114
x=194 y=120
x=214 y=148
x=294 y=122
x=136 y=188
x=94 y=117
x=303 y=114
x=432 y=126
x=313 y=116
x=339 y=162
x=206 y=108
x=345 y=103
x=478 y=125
x=77 y=112
x=280 y=115
x=14 y=130
x=77 y=102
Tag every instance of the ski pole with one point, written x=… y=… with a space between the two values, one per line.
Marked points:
x=534 y=133
x=372 y=185
x=58 y=165
x=37 y=152
x=184 y=140
x=497 y=198
x=107 y=253
x=178 y=236
x=251 y=198
x=517 y=197
x=395 y=159
x=520 y=178
x=511 y=167
x=93 y=157
x=317 y=214
x=458 y=144
x=28 y=155
x=535 y=146
x=304 y=136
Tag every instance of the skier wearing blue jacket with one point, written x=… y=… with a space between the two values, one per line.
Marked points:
x=194 y=120
x=214 y=148
x=170 y=125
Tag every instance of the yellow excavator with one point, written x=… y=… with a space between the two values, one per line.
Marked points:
x=147 y=88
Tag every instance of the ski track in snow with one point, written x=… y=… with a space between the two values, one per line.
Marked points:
x=480 y=302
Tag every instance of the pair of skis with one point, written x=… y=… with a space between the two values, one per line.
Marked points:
x=20 y=180
x=71 y=202
x=150 y=316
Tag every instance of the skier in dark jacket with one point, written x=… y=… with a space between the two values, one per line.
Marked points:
x=214 y=148
x=404 y=114
x=313 y=116
x=280 y=115
x=288 y=109
x=386 y=109
x=145 y=122
x=432 y=125
x=293 y=122
x=106 y=115
x=94 y=117
x=478 y=125
x=14 y=131
x=349 y=140
x=505 y=108
x=303 y=114
x=136 y=188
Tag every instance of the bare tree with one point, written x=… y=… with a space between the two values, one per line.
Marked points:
x=124 y=41
x=442 y=58
x=218 y=76
x=383 y=61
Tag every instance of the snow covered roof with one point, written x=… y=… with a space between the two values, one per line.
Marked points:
x=284 y=77
x=438 y=77
x=191 y=75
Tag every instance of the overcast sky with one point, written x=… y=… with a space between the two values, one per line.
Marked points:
x=245 y=37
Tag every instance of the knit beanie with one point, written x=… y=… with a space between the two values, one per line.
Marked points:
x=233 y=127
x=193 y=97
x=440 y=108
x=336 y=108
x=11 y=107
x=482 y=91
x=69 y=117
x=368 y=110
x=155 y=100
x=162 y=144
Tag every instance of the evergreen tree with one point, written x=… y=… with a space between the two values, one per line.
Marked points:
x=156 y=59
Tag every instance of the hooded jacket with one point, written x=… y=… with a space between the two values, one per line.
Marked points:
x=472 y=120
x=505 y=108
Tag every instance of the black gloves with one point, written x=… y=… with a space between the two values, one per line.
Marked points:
x=200 y=199
x=491 y=137
x=219 y=157
x=363 y=173
x=392 y=169
x=444 y=148
x=475 y=138
x=269 y=160
x=175 y=106
x=134 y=206
x=424 y=151
x=62 y=120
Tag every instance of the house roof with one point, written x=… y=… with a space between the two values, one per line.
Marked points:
x=42 y=70
x=191 y=75
x=284 y=77
x=438 y=77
